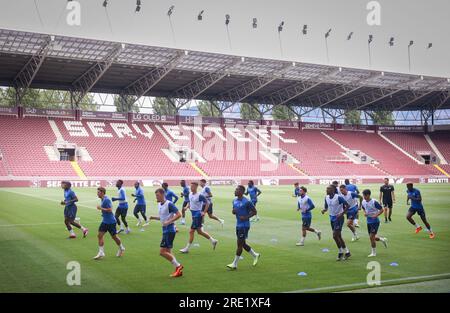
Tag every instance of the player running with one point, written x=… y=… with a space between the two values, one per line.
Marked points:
x=196 y=202
x=353 y=188
x=387 y=197
x=305 y=205
x=141 y=205
x=167 y=214
x=185 y=196
x=352 y=201
x=254 y=193
x=244 y=210
x=415 y=198
x=337 y=207
x=122 y=208
x=296 y=190
x=170 y=195
x=372 y=209
x=108 y=225
x=206 y=192
x=70 y=210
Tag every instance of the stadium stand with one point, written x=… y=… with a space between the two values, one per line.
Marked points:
x=316 y=154
x=123 y=155
x=22 y=143
x=391 y=160
x=413 y=143
x=123 y=149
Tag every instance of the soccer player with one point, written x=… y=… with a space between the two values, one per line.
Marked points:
x=185 y=195
x=305 y=205
x=167 y=214
x=415 y=198
x=108 y=225
x=387 y=197
x=122 y=208
x=254 y=193
x=335 y=185
x=196 y=202
x=352 y=201
x=296 y=190
x=372 y=209
x=170 y=195
x=353 y=188
x=206 y=192
x=141 y=205
x=244 y=210
x=337 y=207
x=70 y=210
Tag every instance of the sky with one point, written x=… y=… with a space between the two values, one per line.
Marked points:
x=422 y=21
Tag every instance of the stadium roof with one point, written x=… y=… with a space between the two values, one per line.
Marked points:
x=85 y=65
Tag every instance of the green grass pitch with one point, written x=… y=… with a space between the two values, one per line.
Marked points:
x=35 y=251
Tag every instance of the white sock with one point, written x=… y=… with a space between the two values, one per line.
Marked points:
x=417 y=225
x=72 y=232
x=374 y=251
x=101 y=249
x=122 y=247
x=346 y=250
x=341 y=250
x=253 y=253
x=188 y=246
x=429 y=230
x=302 y=239
x=212 y=239
x=175 y=263
x=236 y=260
x=121 y=227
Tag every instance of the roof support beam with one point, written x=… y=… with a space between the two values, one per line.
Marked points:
x=289 y=93
x=197 y=87
x=137 y=89
x=239 y=93
x=24 y=78
x=322 y=99
x=87 y=80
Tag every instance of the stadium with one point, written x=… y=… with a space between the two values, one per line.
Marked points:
x=306 y=123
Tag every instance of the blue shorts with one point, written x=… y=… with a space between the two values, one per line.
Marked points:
x=197 y=222
x=254 y=202
x=210 y=208
x=242 y=232
x=306 y=221
x=372 y=228
x=140 y=208
x=352 y=214
x=167 y=240
x=70 y=212
x=336 y=225
x=122 y=211
x=419 y=211
x=185 y=203
x=110 y=228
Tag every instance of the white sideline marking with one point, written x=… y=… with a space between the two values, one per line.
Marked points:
x=365 y=284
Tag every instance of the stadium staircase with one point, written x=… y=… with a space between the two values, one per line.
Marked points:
x=436 y=150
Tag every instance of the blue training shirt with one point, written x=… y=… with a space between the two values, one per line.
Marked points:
x=107 y=217
x=352 y=188
x=297 y=192
x=170 y=195
x=140 y=198
x=186 y=192
x=415 y=193
x=69 y=195
x=253 y=193
x=242 y=207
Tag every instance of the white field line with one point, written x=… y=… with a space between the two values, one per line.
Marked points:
x=395 y=280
